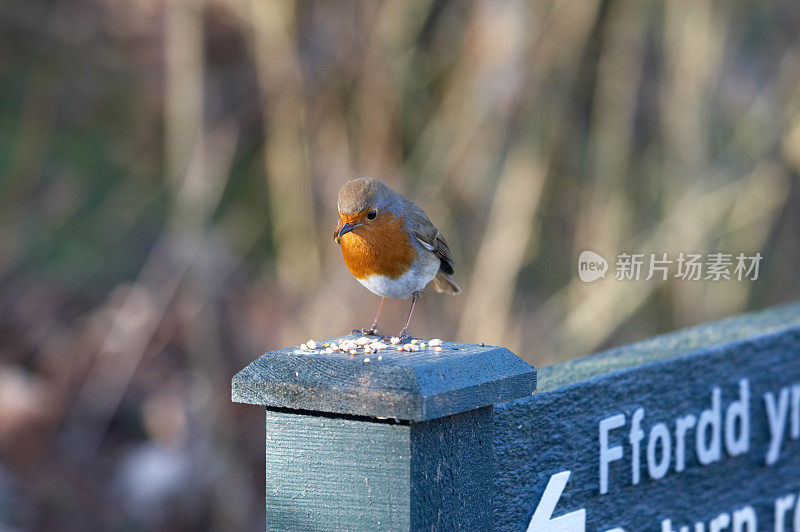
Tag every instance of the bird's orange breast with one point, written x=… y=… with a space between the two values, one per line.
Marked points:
x=379 y=247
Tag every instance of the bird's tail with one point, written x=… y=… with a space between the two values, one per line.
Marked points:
x=445 y=283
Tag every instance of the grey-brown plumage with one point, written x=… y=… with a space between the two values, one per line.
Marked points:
x=423 y=229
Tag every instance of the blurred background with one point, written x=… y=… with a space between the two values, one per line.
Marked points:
x=168 y=180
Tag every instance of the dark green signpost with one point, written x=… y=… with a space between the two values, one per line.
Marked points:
x=695 y=431
x=400 y=443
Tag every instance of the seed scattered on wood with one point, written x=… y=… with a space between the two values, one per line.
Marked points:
x=414 y=341
x=437 y=348
x=435 y=342
x=395 y=340
x=362 y=341
x=334 y=347
x=304 y=347
x=353 y=352
x=328 y=351
x=311 y=344
x=380 y=358
x=410 y=347
x=366 y=359
x=377 y=346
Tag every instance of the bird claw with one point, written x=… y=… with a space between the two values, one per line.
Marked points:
x=366 y=332
x=404 y=337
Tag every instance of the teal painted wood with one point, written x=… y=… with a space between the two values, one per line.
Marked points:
x=416 y=386
x=453 y=456
x=400 y=443
x=331 y=473
x=452 y=468
x=338 y=473
x=668 y=377
x=670 y=346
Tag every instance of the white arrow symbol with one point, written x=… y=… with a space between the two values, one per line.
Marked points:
x=541 y=521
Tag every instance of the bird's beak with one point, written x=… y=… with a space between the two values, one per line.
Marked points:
x=346 y=228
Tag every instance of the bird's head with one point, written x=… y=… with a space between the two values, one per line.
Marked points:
x=361 y=203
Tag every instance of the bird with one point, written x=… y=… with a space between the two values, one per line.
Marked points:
x=390 y=246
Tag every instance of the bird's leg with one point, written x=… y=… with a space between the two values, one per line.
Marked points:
x=404 y=333
x=374 y=329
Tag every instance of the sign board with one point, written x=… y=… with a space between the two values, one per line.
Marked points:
x=698 y=431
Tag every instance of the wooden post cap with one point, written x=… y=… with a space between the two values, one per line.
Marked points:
x=414 y=386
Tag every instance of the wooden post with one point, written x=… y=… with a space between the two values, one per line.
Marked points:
x=391 y=440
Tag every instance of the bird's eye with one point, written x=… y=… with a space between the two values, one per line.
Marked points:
x=372 y=214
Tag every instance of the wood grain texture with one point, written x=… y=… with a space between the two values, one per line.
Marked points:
x=328 y=473
x=336 y=473
x=669 y=376
x=451 y=472
x=416 y=386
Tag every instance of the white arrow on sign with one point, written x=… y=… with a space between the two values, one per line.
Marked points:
x=541 y=520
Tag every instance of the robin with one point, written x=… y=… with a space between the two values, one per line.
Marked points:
x=390 y=246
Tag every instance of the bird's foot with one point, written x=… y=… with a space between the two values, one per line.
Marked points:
x=400 y=339
x=366 y=332
x=404 y=337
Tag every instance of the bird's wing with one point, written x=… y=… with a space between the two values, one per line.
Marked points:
x=430 y=237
